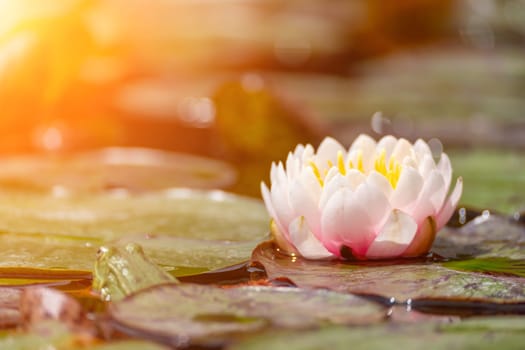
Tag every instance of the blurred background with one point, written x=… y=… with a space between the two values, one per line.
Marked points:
x=243 y=81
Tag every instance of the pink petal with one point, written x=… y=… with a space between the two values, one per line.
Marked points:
x=450 y=205
x=305 y=242
x=345 y=222
x=399 y=230
x=407 y=190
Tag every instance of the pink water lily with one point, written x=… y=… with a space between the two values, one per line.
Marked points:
x=376 y=200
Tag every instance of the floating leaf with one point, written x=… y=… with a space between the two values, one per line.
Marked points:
x=47 y=232
x=134 y=169
x=402 y=279
x=198 y=314
x=487 y=236
x=55 y=335
x=489 y=333
x=122 y=271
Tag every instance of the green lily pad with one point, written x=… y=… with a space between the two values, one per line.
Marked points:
x=134 y=169
x=49 y=232
x=490 y=244
x=487 y=236
x=403 y=279
x=198 y=314
x=493 y=179
x=488 y=333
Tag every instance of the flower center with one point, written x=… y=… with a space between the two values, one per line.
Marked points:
x=392 y=172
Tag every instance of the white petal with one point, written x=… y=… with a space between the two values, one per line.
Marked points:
x=367 y=146
x=421 y=148
x=298 y=151
x=305 y=242
x=293 y=166
x=364 y=143
x=387 y=143
x=335 y=180
x=281 y=204
x=450 y=205
x=407 y=190
x=327 y=151
x=380 y=182
x=431 y=197
x=399 y=230
x=308 y=154
x=354 y=178
x=304 y=198
x=426 y=165
x=401 y=150
x=280 y=234
x=375 y=204
x=445 y=168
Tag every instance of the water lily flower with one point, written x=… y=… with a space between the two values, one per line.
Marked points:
x=376 y=200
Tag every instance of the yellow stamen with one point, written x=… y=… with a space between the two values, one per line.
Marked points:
x=391 y=173
x=360 y=166
x=380 y=163
x=317 y=173
x=341 y=163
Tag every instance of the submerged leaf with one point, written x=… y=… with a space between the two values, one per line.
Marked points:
x=197 y=314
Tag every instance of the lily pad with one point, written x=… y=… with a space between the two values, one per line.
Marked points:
x=487 y=236
x=402 y=280
x=134 y=169
x=493 y=179
x=187 y=314
x=55 y=335
x=488 y=333
x=49 y=232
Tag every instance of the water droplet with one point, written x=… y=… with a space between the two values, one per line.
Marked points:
x=379 y=124
x=436 y=147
